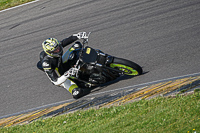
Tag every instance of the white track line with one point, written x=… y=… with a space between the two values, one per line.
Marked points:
x=19 y=5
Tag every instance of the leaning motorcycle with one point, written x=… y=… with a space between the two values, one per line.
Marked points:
x=92 y=67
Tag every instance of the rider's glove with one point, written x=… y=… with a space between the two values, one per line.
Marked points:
x=70 y=72
x=67 y=74
x=81 y=35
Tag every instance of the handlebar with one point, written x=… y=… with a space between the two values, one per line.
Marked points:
x=85 y=37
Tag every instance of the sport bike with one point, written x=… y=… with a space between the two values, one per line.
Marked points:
x=92 y=67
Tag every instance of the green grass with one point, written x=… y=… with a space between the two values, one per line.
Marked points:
x=170 y=115
x=4 y=4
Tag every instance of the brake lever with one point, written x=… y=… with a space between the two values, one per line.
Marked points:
x=85 y=37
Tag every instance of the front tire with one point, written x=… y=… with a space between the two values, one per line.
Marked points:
x=126 y=66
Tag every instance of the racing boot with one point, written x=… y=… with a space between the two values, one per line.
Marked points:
x=79 y=92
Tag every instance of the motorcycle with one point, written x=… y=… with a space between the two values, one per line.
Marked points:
x=92 y=67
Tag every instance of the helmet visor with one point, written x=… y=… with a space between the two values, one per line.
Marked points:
x=57 y=50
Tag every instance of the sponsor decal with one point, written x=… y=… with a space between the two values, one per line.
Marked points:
x=88 y=50
x=45 y=64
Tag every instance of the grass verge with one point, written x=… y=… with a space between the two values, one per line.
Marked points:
x=179 y=115
x=4 y=4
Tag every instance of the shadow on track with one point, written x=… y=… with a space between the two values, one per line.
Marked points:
x=100 y=87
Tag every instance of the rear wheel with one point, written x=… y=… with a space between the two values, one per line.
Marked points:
x=128 y=67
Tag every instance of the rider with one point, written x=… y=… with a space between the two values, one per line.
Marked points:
x=57 y=71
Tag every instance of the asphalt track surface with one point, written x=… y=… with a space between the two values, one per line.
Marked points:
x=160 y=35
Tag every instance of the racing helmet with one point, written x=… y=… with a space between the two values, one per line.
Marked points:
x=52 y=47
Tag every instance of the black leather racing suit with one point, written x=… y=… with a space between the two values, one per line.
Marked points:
x=54 y=68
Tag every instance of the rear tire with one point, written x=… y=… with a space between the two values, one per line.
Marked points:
x=128 y=67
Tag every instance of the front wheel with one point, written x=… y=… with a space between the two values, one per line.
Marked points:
x=126 y=66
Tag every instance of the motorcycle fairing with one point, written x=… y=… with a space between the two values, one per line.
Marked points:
x=70 y=55
x=66 y=56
